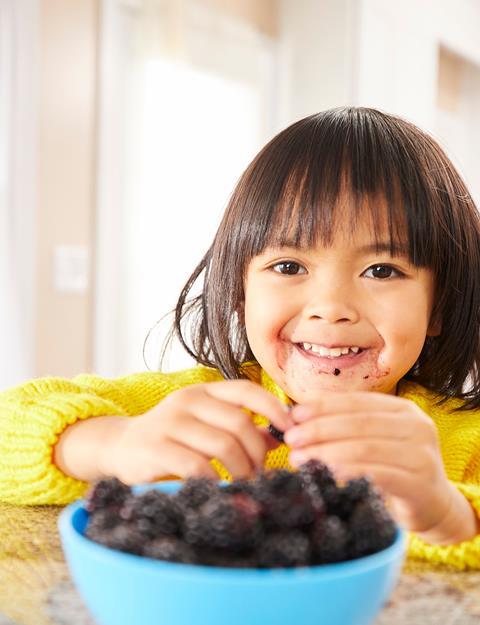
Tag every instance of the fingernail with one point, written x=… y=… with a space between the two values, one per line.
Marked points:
x=296 y=458
x=300 y=413
x=293 y=437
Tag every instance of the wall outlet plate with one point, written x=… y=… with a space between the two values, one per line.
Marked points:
x=71 y=268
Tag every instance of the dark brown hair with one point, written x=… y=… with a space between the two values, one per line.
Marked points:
x=288 y=196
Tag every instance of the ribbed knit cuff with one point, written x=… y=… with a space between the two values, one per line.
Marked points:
x=463 y=556
x=27 y=473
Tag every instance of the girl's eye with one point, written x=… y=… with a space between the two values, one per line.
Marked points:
x=287 y=268
x=383 y=272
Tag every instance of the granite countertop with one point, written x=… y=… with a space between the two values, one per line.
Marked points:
x=36 y=588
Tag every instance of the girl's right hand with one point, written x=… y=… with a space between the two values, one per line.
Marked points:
x=191 y=426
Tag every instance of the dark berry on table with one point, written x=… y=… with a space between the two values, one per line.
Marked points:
x=238 y=487
x=225 y=522
x=171 y=549
x=317 y=472
x=295 y=511
x=279 y=519
x=154 y=513
x=371 y=528
x=358 y=489
x=110 y=492
x=103 y=519
x=277 y=434
x=316 y=498
x=279 y=482
x=316 y=475
x=333 y=499
x=285 y=502
x=123 y=537
x=195 y=491
x=329 y=540
x=226 y=558
x=283 y=549
x=343 y=502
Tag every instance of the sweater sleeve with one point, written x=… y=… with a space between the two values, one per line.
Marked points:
x=459 y=434
x=34 y=415
x=463 y=556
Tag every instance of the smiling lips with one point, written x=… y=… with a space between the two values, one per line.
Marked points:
x=329 y=352
x=328 y=359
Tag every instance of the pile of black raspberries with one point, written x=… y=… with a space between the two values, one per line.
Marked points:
x=279 y=519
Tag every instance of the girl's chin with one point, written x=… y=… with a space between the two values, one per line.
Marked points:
x=303 y=392
x=304 y=374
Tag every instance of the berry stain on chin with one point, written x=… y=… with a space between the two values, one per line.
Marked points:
x=300 y=378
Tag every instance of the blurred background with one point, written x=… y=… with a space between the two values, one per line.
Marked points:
x=125 y=124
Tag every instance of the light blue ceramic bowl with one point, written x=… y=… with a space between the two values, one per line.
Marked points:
x=125 y=589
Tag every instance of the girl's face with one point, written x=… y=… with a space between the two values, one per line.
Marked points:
x=304 y=308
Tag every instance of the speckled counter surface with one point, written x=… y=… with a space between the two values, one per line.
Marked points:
x=36 y=588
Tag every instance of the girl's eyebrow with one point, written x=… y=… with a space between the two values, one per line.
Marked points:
x=394 y=249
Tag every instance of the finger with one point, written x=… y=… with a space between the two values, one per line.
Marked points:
x=349 y=426
x=372 y=451
x=244 y=393
x=230 y=419
x=217 y=443
x=360 y=401
x=392 y=481
x=174 y=460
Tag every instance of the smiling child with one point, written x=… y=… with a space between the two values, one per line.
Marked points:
x=343 y=282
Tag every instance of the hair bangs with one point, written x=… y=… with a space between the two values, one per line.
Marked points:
x=333 y=174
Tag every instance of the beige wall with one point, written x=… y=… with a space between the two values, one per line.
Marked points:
x=450 y=68
x=66 y=167
x=261 y=14
x=66 y=177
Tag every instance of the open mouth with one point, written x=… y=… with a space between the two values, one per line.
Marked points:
x=332 y=354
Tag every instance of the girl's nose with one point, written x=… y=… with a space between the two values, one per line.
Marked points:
x=333 y=304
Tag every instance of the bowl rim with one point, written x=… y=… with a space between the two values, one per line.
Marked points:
x=71 y=536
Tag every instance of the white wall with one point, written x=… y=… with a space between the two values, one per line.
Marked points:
x=18 y=92
x=380 y=53
x=178 y=124
x=398 y=57
x=384 y=54
x=317 y=52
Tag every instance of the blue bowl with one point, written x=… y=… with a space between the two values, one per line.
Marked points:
x=124 y=589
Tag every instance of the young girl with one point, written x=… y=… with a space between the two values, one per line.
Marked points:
x=344 y=280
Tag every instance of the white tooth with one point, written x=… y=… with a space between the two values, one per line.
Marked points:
x=325 y=351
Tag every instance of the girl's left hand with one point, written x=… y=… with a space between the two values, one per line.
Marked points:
x=386 y=438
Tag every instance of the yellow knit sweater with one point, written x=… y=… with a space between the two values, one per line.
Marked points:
x=33 y=415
